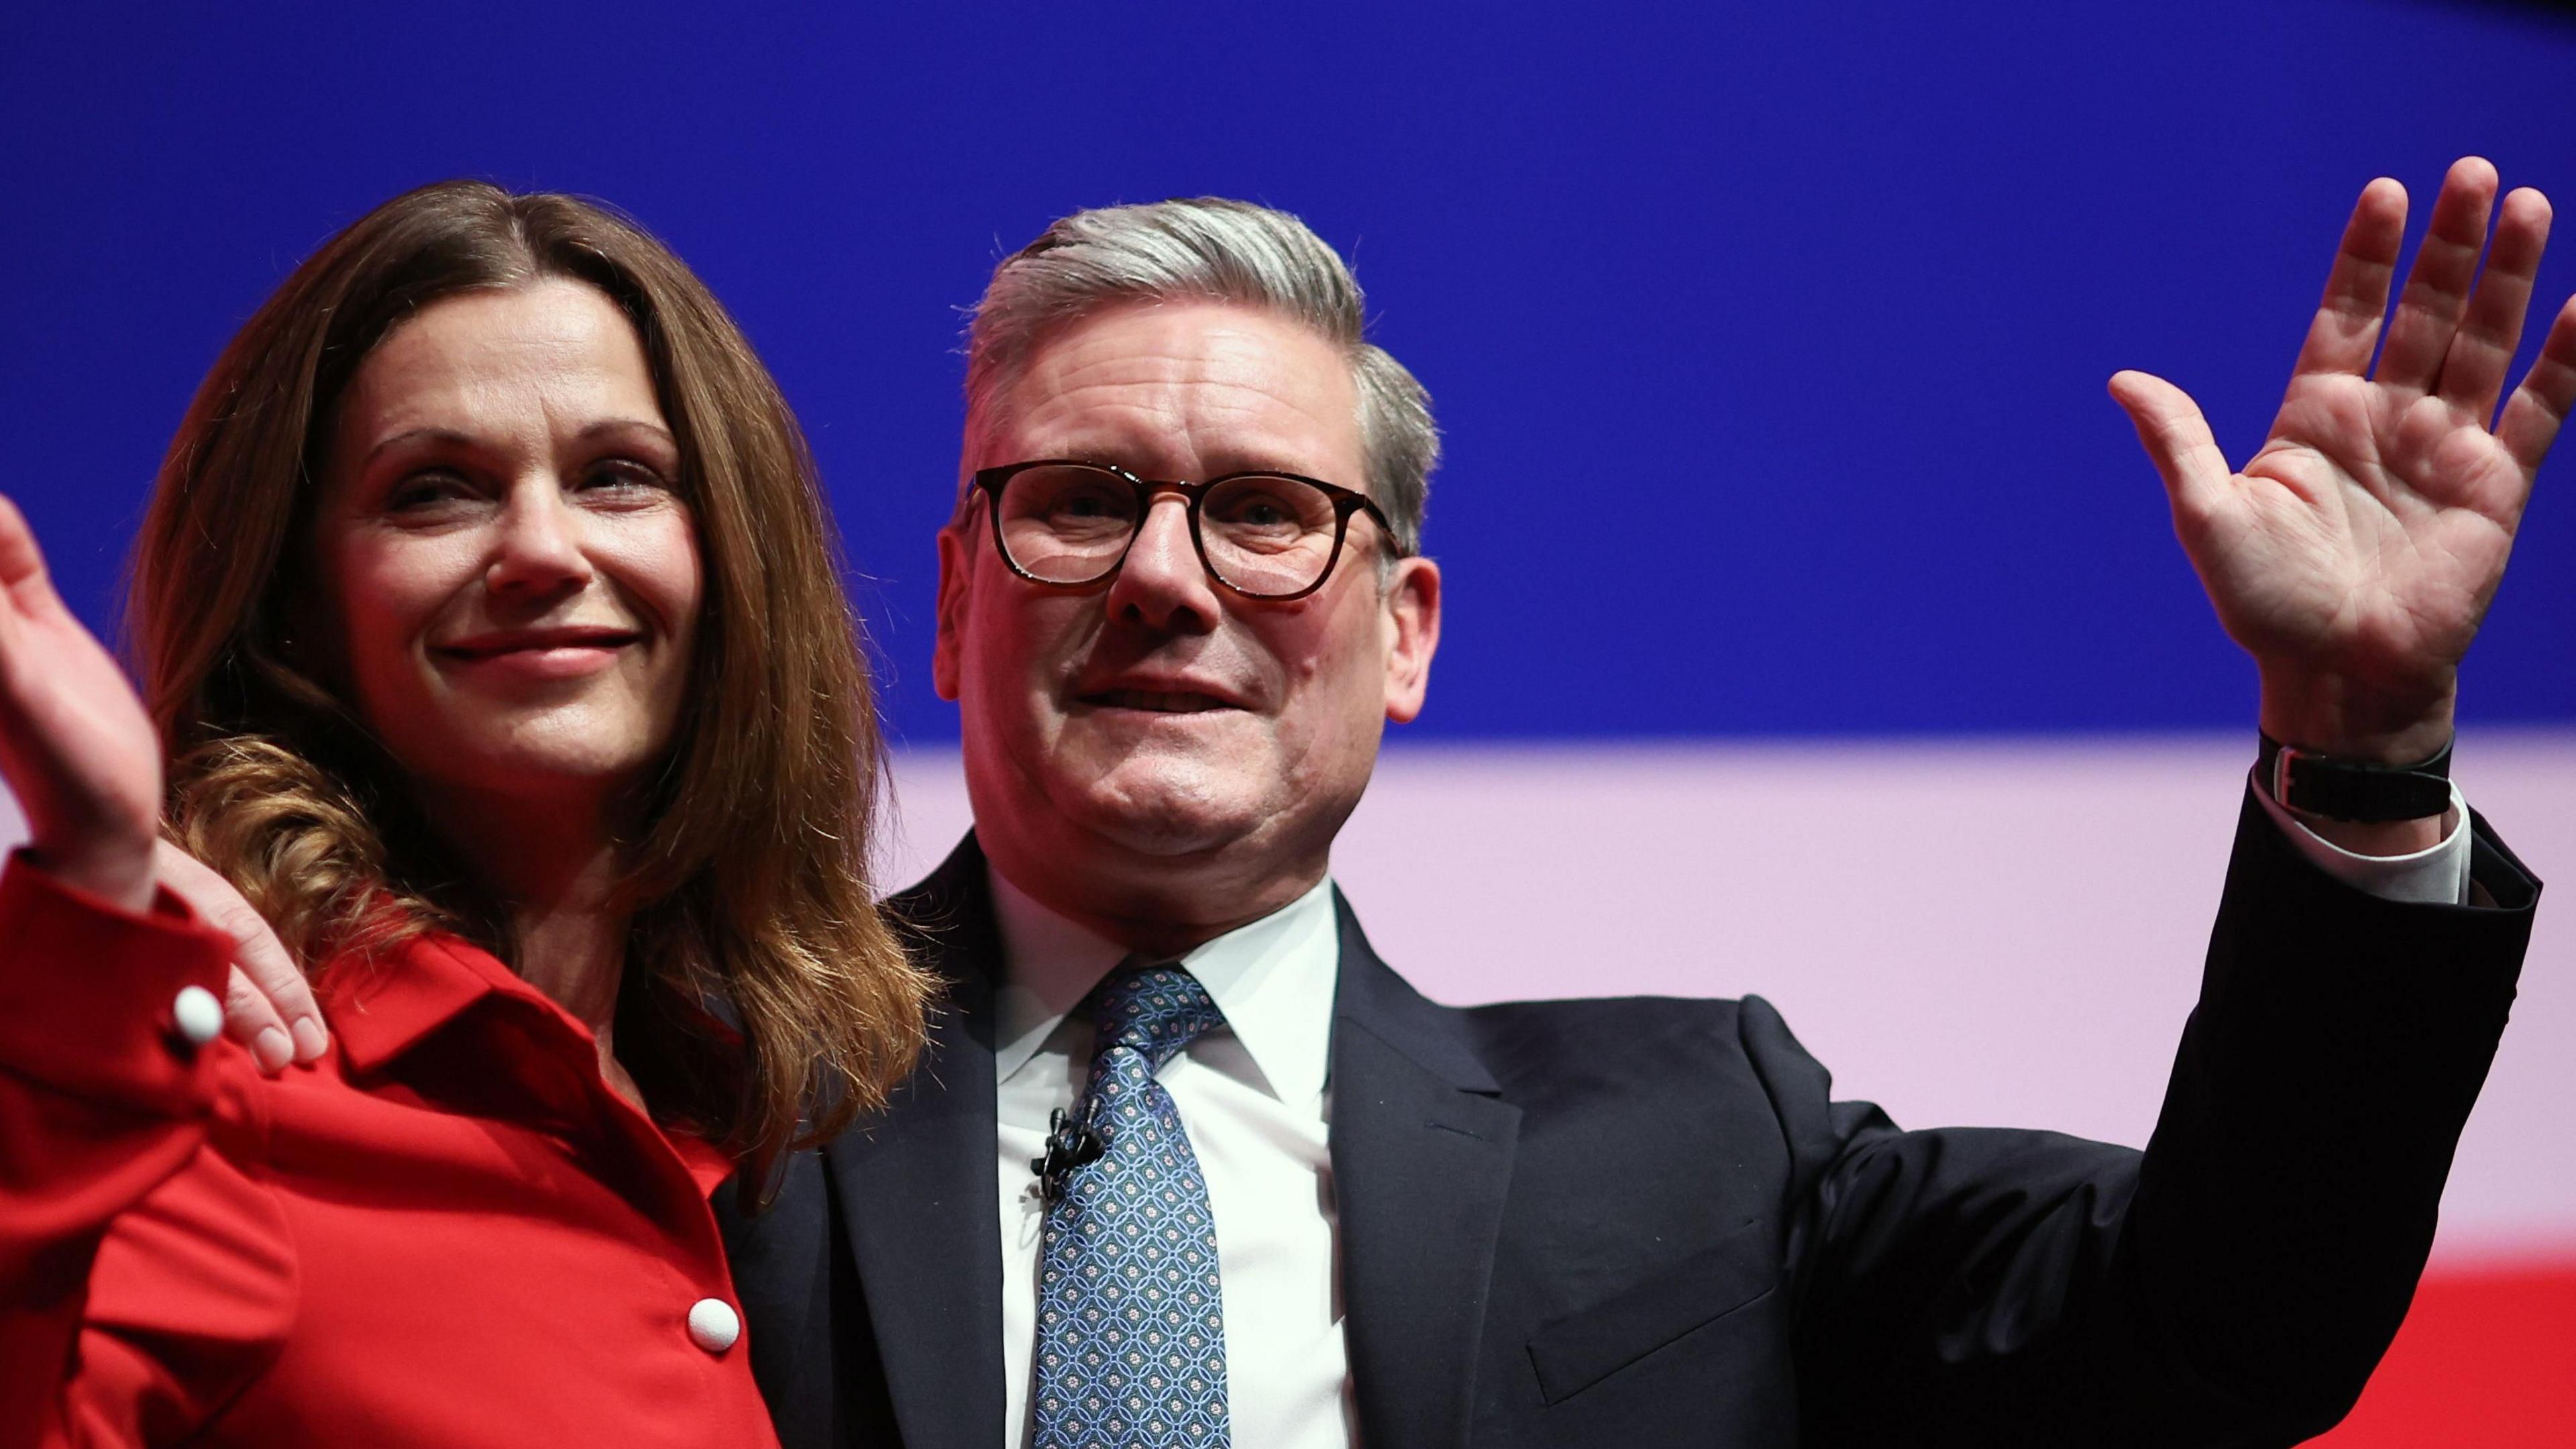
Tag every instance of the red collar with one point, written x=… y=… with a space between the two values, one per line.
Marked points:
x=380 y=1008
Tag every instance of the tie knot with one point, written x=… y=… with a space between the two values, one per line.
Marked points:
x=1153 y=1010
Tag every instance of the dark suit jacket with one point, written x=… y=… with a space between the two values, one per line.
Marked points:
x=1644 y=1222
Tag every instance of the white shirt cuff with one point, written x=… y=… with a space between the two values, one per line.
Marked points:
x=2437 y=875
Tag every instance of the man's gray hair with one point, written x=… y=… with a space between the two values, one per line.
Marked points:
x=1208 y=249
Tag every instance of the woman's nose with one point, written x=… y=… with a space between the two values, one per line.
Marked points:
x=538 y=549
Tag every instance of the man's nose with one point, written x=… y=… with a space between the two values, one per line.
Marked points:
x=538 y=549
x=1162 y=585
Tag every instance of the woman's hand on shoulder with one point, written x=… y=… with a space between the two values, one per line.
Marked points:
x=75 y=744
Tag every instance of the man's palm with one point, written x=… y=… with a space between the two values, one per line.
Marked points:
x=2356 y=553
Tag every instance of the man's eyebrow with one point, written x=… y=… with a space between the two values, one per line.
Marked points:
x=1090 y=448
x=1217 y=464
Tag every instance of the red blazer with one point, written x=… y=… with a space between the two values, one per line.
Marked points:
x=447 y=1232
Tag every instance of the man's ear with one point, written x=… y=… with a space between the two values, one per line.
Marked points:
x=1410 y=616
x=956 y=574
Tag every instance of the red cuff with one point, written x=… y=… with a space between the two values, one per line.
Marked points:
x=86 y=991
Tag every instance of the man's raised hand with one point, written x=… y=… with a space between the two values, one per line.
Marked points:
x=2356 y=553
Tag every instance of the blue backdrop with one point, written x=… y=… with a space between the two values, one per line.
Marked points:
x=1769 y=341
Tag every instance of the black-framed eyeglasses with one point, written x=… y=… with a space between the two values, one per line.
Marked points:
x=1067 y=524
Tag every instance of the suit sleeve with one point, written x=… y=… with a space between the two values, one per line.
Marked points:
x=100 y=1104
x=2233 y=1285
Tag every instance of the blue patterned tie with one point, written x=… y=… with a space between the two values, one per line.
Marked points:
x=1131 y=1324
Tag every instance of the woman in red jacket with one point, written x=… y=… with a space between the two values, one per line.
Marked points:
x=494 y=649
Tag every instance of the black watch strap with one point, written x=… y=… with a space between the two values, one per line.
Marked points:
x=2352 y=789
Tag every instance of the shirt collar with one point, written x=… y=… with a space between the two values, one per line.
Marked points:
x=1272 y=978
x=379 y=1008
x=383 y=1007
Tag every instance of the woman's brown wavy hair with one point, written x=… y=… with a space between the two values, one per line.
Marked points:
x=750 y=876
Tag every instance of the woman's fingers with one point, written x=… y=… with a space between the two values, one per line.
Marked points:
x=75 y=746
x=25 y=588
x=81 y=741
x=20 y=560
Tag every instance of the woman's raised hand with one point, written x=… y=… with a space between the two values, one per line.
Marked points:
x=75 y=745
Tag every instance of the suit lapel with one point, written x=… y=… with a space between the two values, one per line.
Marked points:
x=1422 y=1157
x=917 y=1190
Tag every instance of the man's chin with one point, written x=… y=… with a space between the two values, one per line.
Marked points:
x=1167 y=809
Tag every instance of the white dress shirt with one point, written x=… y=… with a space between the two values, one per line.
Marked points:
x=2437 y=875
x=1253 y=1097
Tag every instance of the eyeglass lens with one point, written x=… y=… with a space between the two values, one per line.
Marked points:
x=1263 y=535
